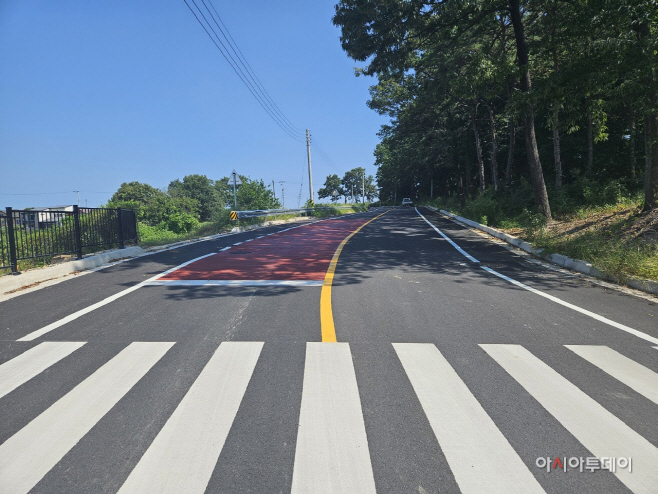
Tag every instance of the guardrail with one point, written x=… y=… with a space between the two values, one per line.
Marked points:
x=259 y=213
x=44 y=233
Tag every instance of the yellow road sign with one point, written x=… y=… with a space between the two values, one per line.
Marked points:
x=233 y=215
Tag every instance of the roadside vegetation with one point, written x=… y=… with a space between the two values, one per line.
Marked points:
x=193 y=207
x=197 y=206
x=324 y=210
x=355 y=187
x=540 y=118
x=601 y=223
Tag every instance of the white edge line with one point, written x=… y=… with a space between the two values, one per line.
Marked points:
x=72 y=317
x=586 y=312
x=459 y=249
x=593 y=315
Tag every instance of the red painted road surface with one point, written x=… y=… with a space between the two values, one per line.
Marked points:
x=300 y=254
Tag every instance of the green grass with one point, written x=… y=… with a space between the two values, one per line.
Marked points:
x=150 y=236
x=606 y=245
x=326 y=210
x=613 y=256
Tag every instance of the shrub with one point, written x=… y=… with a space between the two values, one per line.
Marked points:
x=181 y=222
x=220 y=218
x=484 y=209
x=532 y=223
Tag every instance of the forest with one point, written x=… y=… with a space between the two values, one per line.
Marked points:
x=534 y=104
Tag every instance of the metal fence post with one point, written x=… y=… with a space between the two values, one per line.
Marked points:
x=122 y=242
x=78 y=233
x=12 y=241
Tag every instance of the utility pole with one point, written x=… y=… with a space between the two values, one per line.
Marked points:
x=273 y=189
x=363 y=187
x=310 y=175
x=78 y=192
x=283 y=196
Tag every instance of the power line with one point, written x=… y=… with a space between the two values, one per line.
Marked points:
x=250 y=80
x=238 y=62
x=243 y=60
x=238 y=71
x=324 y=155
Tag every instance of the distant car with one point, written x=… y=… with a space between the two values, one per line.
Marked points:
x=407 y=202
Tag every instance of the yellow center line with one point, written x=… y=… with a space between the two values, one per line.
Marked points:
x=326 y=314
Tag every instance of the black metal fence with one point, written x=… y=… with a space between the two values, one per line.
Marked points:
x=43 y=233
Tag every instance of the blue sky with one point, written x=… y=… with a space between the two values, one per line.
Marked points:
x=93 y=94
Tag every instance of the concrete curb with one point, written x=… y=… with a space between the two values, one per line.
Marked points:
x=647 y=286
x=9 y=283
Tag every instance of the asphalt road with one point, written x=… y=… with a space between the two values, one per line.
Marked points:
x=458 y=366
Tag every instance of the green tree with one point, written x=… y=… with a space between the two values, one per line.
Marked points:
x=135 y=191
x=253 y=195
x=352 y=182
x=138 y=196
x=455 y=78
x=394 y=36
x=199 y=188
x=332 y=188
x=153 y=206
x=162 y=206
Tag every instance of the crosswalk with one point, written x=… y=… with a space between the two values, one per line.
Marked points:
x=332 y=452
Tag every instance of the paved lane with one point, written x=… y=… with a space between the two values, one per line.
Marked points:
x=423 y=290
x=446 y=378
x=295 y=254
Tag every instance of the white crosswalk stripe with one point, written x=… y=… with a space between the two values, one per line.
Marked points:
x=480 y=457
x=332 y=449
x=632 y=374
x=596 y=428
x=183 y=455
x=332 y=453
x=33 y=362
x=30 y=453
